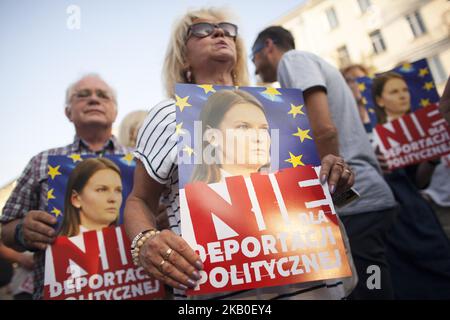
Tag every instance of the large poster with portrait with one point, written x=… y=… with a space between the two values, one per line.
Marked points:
x=91 y=259
x=401 y=103
x=251 y=203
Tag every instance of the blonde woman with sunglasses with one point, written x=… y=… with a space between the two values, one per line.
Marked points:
x=205 y=48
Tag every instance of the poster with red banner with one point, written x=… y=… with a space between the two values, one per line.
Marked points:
x=91 y=257
x=413 y=138
x=96 y=265
x=255 y=212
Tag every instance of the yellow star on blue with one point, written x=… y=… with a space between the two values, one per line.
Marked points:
x=207 y=87
x=428 y=85
x=182 y=102
x=295 y=160
x=179 y=129
x=407 y=67
x=56 y=212
x=362 y=86
x=50 y=194
x=295 y=110
x=302 y=134
x=188 y=150
x=424 y=102
x=75 y=157
x=272 y=92
x=128 y=158
x=53 y=171
x=423 y=72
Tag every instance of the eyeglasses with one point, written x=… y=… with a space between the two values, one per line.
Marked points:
x=257 y=47
x=86 y=93
x=204 y=29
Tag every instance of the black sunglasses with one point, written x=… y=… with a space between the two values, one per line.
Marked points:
x=204 y=29
x=257 y=47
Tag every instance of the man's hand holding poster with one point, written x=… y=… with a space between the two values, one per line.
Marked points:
x=251 y=202
x=91 y=258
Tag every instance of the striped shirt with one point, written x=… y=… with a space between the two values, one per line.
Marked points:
x=30 y=192
x=157 y=150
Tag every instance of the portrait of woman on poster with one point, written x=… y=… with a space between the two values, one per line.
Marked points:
x=236 y=137
x=93 y=197
x=391 y=97
x=417 y=247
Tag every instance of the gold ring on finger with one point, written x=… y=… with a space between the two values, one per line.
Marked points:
x=160 y=266
x=168 y=253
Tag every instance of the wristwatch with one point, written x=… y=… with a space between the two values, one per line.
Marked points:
x=19 y=238
x=18 y=235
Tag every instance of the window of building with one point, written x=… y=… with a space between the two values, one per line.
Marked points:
x=364 y=5
x=437 y=70
x=343 y=56
x=332 y=18
x=416 y=24
x=377 y=42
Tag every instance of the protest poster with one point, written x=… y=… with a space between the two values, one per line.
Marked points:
x=401 y=103
x=251 y=203
x=90 y=258
x=414 y=138
x=419 y=81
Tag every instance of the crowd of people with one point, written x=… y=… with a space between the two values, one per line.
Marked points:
x=397 y=224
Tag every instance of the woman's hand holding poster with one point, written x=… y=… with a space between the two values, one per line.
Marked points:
x=251 y=202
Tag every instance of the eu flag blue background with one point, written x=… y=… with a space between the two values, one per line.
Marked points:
x=67 y=164
x=276 y=107
x=420 y=83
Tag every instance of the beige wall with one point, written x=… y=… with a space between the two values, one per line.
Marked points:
x=5 y=192
x=310 y=27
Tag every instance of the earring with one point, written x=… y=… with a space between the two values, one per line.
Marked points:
x=189 y=76
x=233 y=75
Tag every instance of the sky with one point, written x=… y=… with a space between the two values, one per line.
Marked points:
x=123 y=41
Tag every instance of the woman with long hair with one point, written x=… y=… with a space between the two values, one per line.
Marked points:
x=93 y=197
x=237 y=133
x=391 y=96
x=417 y=247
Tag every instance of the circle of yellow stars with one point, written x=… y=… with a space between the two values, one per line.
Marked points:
x=272 y=93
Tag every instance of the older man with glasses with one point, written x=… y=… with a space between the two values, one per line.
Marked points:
x=91 y=106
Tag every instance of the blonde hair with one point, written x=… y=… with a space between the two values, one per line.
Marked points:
x=174 y=63
x=131 y=123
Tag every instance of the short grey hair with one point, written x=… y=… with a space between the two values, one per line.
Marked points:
x=70 y=90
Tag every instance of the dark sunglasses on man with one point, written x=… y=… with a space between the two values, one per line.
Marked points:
x=257 y=47
x=204 y=29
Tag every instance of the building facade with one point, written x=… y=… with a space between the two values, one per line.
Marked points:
x=377 y=33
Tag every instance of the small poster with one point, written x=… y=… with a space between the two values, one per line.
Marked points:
x=414 y=138
x=91 y=258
